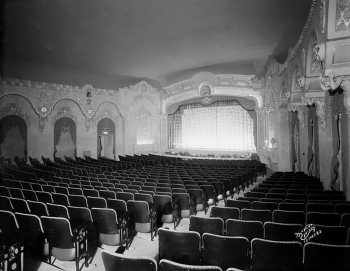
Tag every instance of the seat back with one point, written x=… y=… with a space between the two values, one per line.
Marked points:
x=281 y=232
x=248 y=229
x=138 y=211
x=276 y=255
x=44 y=197
x=124 y=196
x=38 y=208
x=9 y=227
x=114 y=261
x=57 y=210
x=261 y=205
x=16 y=193
x=326 y=257
x=90 y=193
x=288 y=206
x=171 y=241
x=119 y=206
x=163 y=204
x=29 y=195
x=78 y=200
x=225 y=212
x=256 y=215
x=321 y=218
x=345 y=220
x=145 y=197
x=58 y=232
x=79 y=216
x=20 y=205
x=320 y=207
x=105 y=220
x=166 y=265
x=61 y=199
x=5 y=203
x=288 y=217
x=333 y=235
x=106 y=194
x=96 y=202
x=218 y=250
x=202 y=225
x=182 y=200
x=31 y=231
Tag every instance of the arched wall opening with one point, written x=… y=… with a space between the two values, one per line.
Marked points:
x=106 y=139
x=13 y=137
x=65 y=134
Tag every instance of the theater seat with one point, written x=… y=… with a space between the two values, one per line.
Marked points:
x=202 y=225
x=63 y=245
x=288 y=217
x=226 y=251
x=32 y=234
x=106 y=223
x=333 y=235
x=182 y=247
x=276 y=255
x=329 y=219
x=256 y=215
x=281 y=232
x=142 y=217
x=248 y=229
x=166 y=265
x=225 y=212
x=115 y=261
x=326 y=257
x=240 y=204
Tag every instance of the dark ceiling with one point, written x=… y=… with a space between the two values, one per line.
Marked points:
x=110 y=43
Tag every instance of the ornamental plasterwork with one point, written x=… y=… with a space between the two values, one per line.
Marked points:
x=214 y=80
x=317 y=98
x=317 y=56
x=43 y=96
x=342 y=15
x=13 y=109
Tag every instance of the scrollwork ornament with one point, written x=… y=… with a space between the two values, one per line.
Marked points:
x=329 y=82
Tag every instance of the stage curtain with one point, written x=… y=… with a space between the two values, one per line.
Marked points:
x=222 y=126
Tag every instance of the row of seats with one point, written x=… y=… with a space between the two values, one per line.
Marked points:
x=283 y=216
x=257 y=254
x=336 y=235
x=340 y=207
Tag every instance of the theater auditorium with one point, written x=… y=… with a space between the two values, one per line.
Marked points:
x=175 y=135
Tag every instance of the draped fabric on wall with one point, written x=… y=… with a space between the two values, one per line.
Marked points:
x=13 y=137
x=64 y=138
x=313 y=164
x=339 y=130
x=294 y=141
x=106 y=138
x=222 y=126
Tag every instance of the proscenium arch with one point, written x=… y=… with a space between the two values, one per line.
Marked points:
x=227 y=91
x=8 y=123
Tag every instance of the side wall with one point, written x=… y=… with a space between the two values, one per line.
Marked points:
x=41 y=104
